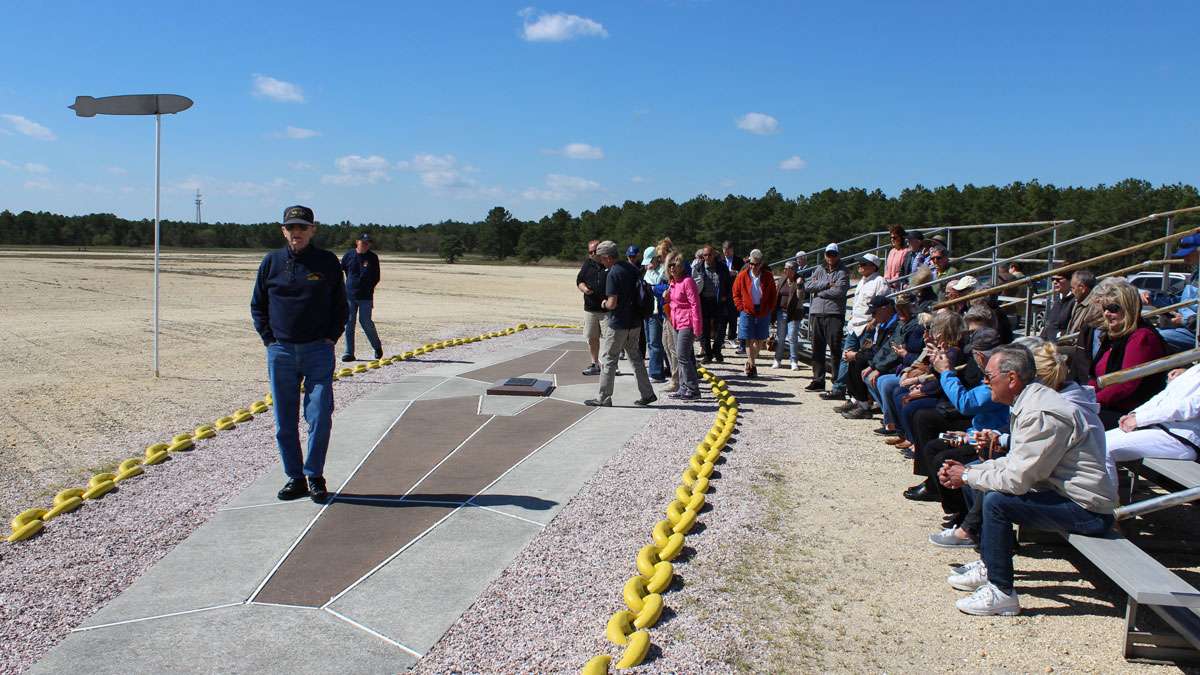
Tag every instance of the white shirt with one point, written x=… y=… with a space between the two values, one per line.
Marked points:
x=860 y=312
x=755 y=288
x=1177 y=407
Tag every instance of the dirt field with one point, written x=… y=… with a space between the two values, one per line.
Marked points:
x=77 y=382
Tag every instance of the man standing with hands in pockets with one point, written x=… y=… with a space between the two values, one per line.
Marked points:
x=299 y=310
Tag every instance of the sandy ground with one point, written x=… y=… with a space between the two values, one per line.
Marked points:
x=77 y=381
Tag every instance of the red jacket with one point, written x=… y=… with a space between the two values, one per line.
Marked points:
x=742 y=298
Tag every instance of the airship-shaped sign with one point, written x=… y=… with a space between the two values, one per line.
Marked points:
x=132 y=104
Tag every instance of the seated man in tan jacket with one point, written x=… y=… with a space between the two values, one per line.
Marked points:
x=1053 y=478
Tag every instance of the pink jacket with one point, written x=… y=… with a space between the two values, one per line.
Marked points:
x=685 y=305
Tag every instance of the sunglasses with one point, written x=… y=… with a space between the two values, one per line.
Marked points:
x=1112 y=308
x=295 y=226
x=1058 y=280
x=988 y=377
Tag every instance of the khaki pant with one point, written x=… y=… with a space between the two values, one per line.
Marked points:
x=672 y=357
x=613 y=341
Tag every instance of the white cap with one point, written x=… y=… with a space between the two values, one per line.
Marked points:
x=832 y=248
x=870 y=258
x=964 y=283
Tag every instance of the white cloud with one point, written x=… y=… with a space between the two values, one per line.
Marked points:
x=28 y=127
x=793 y=163
x=246 y=188
x=560 y=188
x=302 y=166
x=268 y=191
x=758 y=123
x=296 y=133
x=32 y=167
x=444 y=176
x=727 y=182
x=558 y=27
x=277 y=90
x=37 y=184
x=116 y=170
x=427 y=162
x=359 y=170
x=578 y=151
x=637 y=179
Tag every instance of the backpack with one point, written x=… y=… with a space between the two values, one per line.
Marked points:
x=645 y=300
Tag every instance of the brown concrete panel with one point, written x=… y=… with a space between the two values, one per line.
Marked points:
x=346 y=542
x=567 y=371
x=536 y=362
x=499 y=445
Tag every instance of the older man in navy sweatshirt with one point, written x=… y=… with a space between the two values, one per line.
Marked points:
x=361 y=266
x=299 y=310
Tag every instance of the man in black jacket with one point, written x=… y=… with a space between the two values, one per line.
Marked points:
x=728 y=317
x=1059 y=306
x=715 y=287
x=591 y=282
x=361 y=266
x=299 y=311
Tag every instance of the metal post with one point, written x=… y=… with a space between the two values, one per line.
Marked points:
x=949 y=240
x=157 y=165
x=1053 y=250
x=1166 y=272
x=1028 y=309
x=995 y=257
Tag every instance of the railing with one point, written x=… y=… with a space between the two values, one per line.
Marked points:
x=1154 y=367
x=1144 y=265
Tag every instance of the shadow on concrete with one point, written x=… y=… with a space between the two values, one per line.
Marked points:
x=449 y=499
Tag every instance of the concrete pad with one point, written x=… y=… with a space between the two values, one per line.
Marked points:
x=222 y=562
x=284 y=641
x=555 y=474
x=506 y=405
x=536 y=362
x=418 y=596
x=408 y=388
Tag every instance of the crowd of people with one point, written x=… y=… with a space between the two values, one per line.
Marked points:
x=1000 y=430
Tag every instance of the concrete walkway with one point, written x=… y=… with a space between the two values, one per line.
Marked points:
x=439 y=487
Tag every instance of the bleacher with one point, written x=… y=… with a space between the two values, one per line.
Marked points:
x=1173 y=635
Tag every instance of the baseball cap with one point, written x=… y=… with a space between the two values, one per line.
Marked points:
x=631 y=251
x=939 y=238
x=800 y=254
x=964 y=283
x=301 y=215
x=1187 y=246
x=832 y=248
x=791 y=265
x=871 y=259
x=905 y=299
x=364 y=237
x=755 y=256
x=881 y=301
x=647 y=255
x=983 y=340
x=913 y=234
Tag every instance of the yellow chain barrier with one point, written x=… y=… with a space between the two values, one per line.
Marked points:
x=31 y=521
x=642 y=594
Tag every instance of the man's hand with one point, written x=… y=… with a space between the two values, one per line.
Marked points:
x=849 y=355
x=988 y=443
x=941 y=361
x=1129 y=423
x=585 y=289
x=950 y=475
x=1175 y=373
x=1145 y=297
x=610 y=303
x=1175 y=319
x=900 y=350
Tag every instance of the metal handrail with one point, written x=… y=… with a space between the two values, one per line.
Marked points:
x=1155 y=311
x=1154 y=367
x=1142 y=265
x=1029 y=279
x=1156 y=504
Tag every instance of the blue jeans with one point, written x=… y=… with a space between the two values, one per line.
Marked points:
x=654 y=347
x=884 y=392
x=1047 y=510
x=850 y=342
x=905 y=411
x=287 y=363
x=786 y=332
x=1178 y=339
x=363 y=309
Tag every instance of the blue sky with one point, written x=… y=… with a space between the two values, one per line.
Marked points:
x=407 y=113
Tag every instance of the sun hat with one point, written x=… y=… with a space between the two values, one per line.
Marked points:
x=870 y=259
x=647 y=256
x=964 y=283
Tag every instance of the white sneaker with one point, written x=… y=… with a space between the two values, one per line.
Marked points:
x=962 y=569
x=777 y=364
x=795 y=366
x=947 y=539
x=971 y=579
x=988 y=600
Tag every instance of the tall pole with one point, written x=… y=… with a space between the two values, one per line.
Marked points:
x=157 y=165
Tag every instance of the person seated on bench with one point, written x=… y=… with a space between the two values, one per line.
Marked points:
x=877 y=337
x=1126 y=341
x=1167 y=426
x=919 y=387
x=1053 y=478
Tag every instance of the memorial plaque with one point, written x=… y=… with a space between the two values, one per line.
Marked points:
x=521 y=386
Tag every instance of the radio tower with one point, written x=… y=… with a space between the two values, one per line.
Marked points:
x=198 y=202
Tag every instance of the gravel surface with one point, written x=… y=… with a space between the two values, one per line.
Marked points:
x=51 y=583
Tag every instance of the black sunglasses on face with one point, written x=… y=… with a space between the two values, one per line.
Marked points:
x=1112 y=308
x=295 y=226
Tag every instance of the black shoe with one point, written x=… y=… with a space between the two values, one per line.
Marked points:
x=597 y=403
x=347 y=357
x=592 y=370
x=658 y=380
x=740 y=351
x=858 y=413
x=706 y=360
x=845 y=407
x=815 y=385
x=753 y=371
x=378 y=354
x=907 y=453
x=884 y=431
x=719 y=359
x=646 y=401
x=920 y=493
x=316 y=489
x=834 y=395
x=293 y=489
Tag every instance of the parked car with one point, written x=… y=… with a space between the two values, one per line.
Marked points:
x=1152 y=282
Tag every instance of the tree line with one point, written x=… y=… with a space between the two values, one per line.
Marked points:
x=774 y=223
